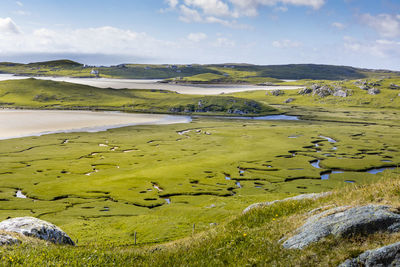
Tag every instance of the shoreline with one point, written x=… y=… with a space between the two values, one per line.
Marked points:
x=18 y=123
x=134 y=84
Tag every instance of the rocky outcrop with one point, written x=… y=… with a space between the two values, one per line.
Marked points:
x=237 y=111
x=37 y=228
x=394 y=86
x=345 y=221
x=374 y=91
x=276 y=92
x=325 y=90
x=289 y=100
x=8 y=240
x=384 y=256
x=305 y=91
x=266 y=84
x=299 y=197
x=341 y=93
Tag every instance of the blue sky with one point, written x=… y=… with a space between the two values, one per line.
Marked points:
x=361 y=33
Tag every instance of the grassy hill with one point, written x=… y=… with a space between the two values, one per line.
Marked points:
x=62 y=63
x=235 y=73
x=44 y=94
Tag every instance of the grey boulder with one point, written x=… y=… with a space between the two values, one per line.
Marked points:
x=364 y=87
x=374 y=91
x=341 y=93
x=298 y=197
x=384 y=256
x=8 y=240
x=276 y=92
x=305 y=91
x=344 y=221
x=34 y=227
x=323 y=91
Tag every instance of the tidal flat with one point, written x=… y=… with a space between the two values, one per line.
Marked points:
x=159 y=180
x=154 y=84
x=21 y=123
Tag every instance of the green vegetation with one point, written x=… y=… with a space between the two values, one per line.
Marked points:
x=358 y=107
x=121 y=178
x=230 y=76
x=235 y=73
x=44 y=94
x=159 y=181
x=251 y=239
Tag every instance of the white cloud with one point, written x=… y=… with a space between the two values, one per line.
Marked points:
x=197 y=37
x=189 y=15
x=220 y=21
x=102 y=40
x=172 y=3
x=224 y=42
x=338 y=25
x=387 y=42
x=381 y=48
x=250 y=7
x=21 y=13
x=281 y=8
x=210 y=7
x=219 y=11
x=286 y=44
x=385 y=24
x=19 y=3
x=8 y=26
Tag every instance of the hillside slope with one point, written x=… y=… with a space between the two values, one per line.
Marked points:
x=44 y=94
x=231 y=72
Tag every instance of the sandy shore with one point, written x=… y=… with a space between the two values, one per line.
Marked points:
x=21 y=123
x=201 y=89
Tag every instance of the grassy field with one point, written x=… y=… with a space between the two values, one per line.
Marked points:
x=44 y=94
x=159 y=181
x=251 y=239
x=122 y=177
x=230 y=76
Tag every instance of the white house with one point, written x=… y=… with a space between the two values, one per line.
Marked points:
x=95 y=72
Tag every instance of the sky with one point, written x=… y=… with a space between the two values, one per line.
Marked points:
x=359 y=33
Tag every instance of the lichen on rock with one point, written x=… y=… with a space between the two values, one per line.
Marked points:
x=345 y=221
x=33 y=227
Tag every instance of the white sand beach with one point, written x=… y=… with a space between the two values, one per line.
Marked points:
x=21 y=123
x=200 y=89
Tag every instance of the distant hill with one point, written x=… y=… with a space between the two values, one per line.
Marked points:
x=56 y=63
x=233 y=72
x=306 y=71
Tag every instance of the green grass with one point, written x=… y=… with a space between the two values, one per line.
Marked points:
x=359 y=107
x=237 y=72
x=190 y=163
x=44 y=94
x=190 y=169
x=230 y=76
x=250 y=239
